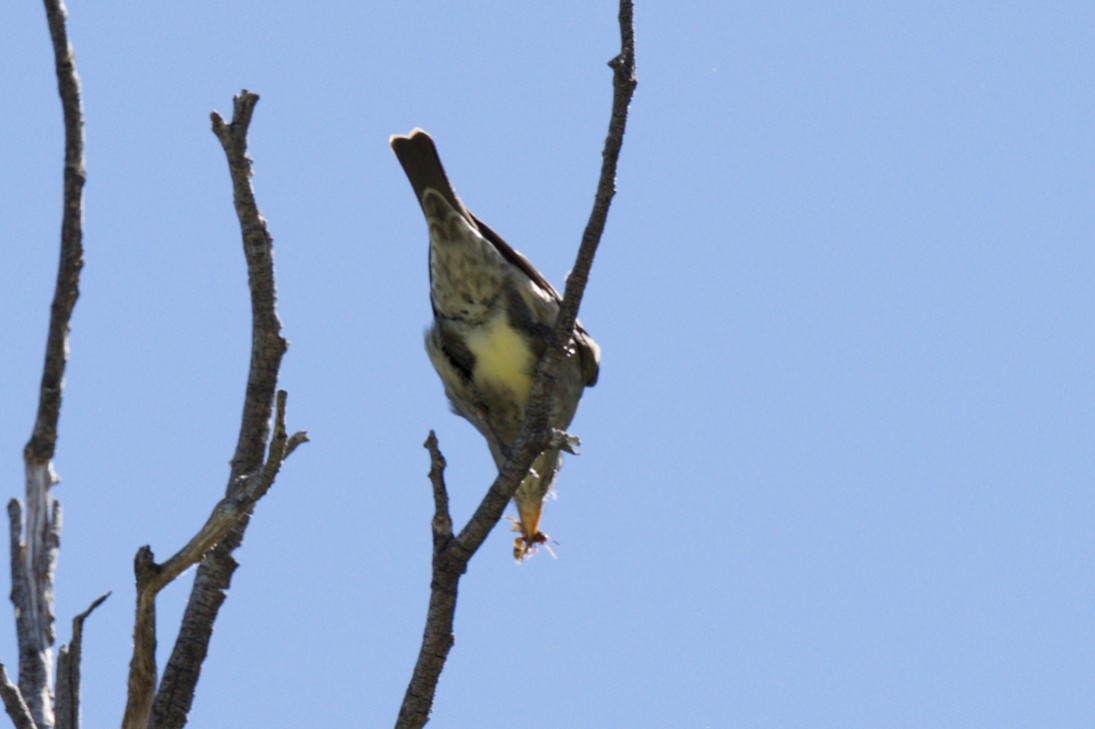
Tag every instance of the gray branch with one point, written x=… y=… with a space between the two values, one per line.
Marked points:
x=67 y=704
x=153 y=577
x=34 y=558
x=442 y=521
x=254 y=467
x=451 y=556
x=13 y=702
x=43 y=441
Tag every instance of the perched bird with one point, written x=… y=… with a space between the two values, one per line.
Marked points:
x=492 y=315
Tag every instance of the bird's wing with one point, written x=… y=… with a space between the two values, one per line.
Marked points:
x=418 y=155
x=588 y=350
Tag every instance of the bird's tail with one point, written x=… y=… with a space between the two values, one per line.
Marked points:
x=529 y=498
x=418 y=156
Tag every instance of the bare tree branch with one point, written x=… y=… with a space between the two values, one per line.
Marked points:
x=13 y=702
x=153 y=577
x=442 y=521
x=44 y=439
x=242 y=496
x=19 y=583
x=67 y=702
x=141 y=685
x=535 y=434
x=32 y=580
x=249 y=479
x=450 y=558
x=437 y=638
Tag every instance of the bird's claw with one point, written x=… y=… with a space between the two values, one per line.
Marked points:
x=564 y=441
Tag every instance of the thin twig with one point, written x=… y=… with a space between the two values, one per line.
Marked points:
x=437 y=638
x=153 y=577
x=450 y=562
x=442 y=520
x=67 y=703
x=228 y=511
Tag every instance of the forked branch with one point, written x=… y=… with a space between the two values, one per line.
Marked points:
x=452 y=554
x=255 y=465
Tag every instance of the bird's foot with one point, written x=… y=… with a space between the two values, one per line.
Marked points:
x=564 y=441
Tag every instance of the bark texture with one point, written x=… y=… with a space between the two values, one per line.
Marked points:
x=452 y=554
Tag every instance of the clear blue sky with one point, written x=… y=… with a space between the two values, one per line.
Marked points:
x=838 y=469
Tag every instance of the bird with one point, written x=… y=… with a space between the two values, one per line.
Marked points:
x=493 y=314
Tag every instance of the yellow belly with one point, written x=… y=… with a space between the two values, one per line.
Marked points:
x=502 y=358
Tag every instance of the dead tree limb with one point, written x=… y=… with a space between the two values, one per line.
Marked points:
x=13 y=702
x=34 y=558
x=254 y=467
x=67 y=701
x=452 y=554
x=153 y=577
